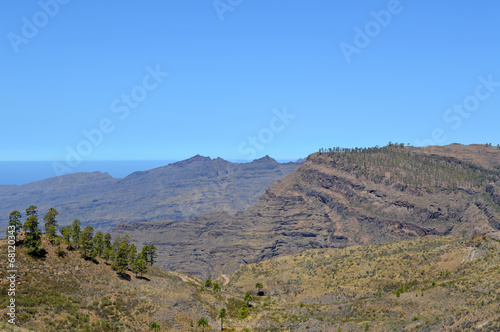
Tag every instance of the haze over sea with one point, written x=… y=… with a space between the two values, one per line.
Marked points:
x=22 y=172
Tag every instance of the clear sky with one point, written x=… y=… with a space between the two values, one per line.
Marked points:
x=245 y=78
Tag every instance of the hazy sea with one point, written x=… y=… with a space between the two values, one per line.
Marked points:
x=22 y=172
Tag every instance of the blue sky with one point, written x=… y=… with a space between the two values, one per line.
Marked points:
x=248 y=79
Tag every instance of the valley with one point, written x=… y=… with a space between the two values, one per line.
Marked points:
x=336 y=200
x=392 y=238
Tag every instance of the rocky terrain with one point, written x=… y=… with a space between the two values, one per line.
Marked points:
x=430 y=283
x=379 y=239
x=178 y=191
x=341 y=199
x=69 y=293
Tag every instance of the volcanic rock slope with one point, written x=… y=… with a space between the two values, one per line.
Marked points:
x=178 y=191
x=341 y=199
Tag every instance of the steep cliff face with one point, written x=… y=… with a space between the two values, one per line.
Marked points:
x=341 y=199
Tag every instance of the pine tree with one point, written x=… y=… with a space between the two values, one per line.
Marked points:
x=139 y=266
x=51 y=233
x=66 y=234
x=121 y=257
x=152 y=254
x=107 y=247
x=98 y=244
x=144 y=252
x=86 y=243
x=15 y=223
x=75 y=233
x=32 y=231
x=222 y=314
x=132 y=253
x=148 y=253
x=31 y=211
x=50 y=222
x=32 y=238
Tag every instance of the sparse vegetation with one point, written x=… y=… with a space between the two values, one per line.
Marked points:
x=405 y=268
x=443 y=267
x=408 y=169
x=221 y=315
x=208 y=282
x=426 y=283
x=155 y=326
x=65 y=292
x=259 y=287
x=248 y=297
x=203 y=323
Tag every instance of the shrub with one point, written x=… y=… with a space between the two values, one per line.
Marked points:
x=60 y=252
x=244 y=311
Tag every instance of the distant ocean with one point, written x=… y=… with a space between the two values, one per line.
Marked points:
x=22 y=172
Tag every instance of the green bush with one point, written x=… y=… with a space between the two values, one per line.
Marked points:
x=244 y=311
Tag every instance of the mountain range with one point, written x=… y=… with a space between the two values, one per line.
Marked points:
x=392 y=238
x=340 y=199
x=178 y=191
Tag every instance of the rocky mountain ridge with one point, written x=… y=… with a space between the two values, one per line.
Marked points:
x=340 y=199
x=177 y=191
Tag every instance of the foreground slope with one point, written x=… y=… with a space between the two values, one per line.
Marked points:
x=340 y=199
x=426 y=284
x=177 y=191
x=72 y=294
x=430 y=283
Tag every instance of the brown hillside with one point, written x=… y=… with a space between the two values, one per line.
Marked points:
x=335 y=200
x=72 y=294
x=430 y=283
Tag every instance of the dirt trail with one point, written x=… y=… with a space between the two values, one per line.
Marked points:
x=186 y=278
x=226 y=279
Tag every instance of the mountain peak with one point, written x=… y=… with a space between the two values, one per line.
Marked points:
x=198 y=159
x=266 y=159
